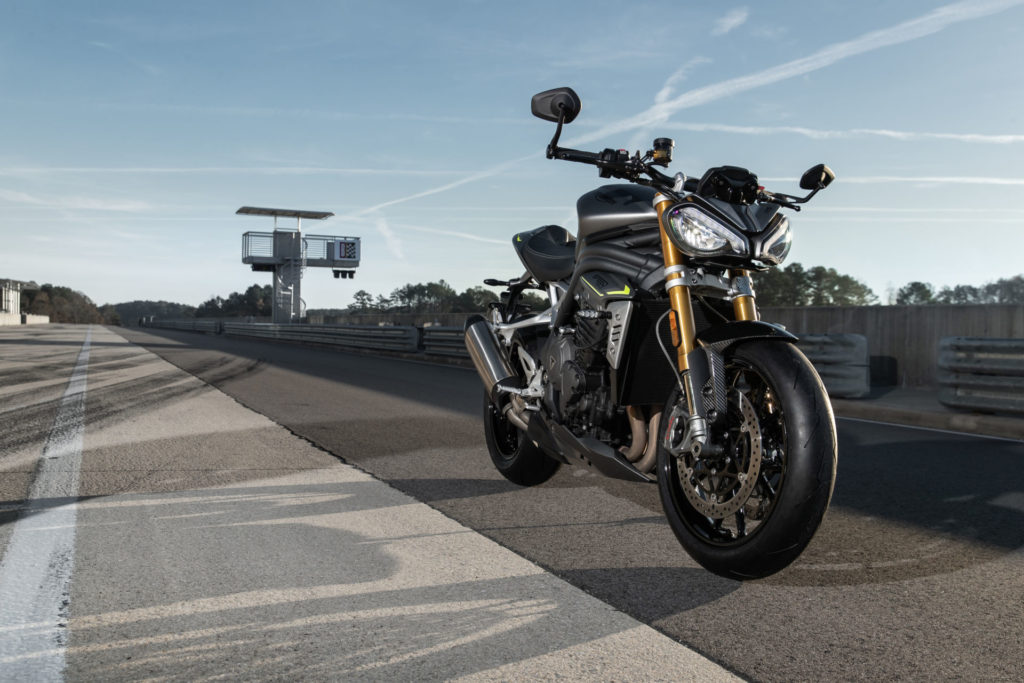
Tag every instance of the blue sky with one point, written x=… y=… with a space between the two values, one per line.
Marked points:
x=130 y=132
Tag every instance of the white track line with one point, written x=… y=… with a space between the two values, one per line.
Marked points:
x=35 y=573
x=952 y=432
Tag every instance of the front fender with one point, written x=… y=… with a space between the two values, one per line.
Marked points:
x=720 y=337
x=706 y=363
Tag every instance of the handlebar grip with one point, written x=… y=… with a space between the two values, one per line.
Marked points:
x=576 y=155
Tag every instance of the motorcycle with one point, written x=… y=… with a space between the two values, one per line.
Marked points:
x=651 y=363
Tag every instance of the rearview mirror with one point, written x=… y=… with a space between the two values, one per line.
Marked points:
x=817 y=178
x=551 y=105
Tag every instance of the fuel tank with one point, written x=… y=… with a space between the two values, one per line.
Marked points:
x=608 y=209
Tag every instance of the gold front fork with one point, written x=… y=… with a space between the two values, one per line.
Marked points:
x=743 y=306
x=684 y=330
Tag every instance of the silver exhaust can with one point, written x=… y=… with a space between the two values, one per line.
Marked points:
x=490 y=363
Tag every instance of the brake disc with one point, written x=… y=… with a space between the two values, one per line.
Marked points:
x=718 y=486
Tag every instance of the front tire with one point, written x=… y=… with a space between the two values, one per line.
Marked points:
x=512 y=453
x=750 y=510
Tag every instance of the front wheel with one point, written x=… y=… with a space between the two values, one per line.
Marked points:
x=748 y=506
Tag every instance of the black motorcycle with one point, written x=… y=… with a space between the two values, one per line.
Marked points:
x=651 y=364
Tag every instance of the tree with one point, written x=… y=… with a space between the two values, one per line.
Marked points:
x=132 y=311
x=363 y=301
x=782 y=286
x=1006 y=291
x=475 y=300
x=830 y=288
x=819 y=286
x=961 y=294
x=915 y=294
x=211 y=308
x=61 y=304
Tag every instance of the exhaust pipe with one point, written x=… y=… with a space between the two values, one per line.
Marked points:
x=488 y=359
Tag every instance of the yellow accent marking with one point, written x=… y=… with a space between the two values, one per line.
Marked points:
x=591 y=286
x=621 y=291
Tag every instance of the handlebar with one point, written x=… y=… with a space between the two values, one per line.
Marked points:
x=618 y=164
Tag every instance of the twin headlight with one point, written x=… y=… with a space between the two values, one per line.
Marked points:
x=701 y=235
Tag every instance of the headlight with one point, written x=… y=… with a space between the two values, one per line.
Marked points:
x=696 y=233
x=775 y=247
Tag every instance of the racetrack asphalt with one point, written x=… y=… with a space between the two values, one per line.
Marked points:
x=915 y=573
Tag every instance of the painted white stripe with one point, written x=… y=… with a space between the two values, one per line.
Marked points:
x=35 y=573
x=953 y=432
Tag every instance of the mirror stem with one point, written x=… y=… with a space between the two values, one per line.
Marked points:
x=553 y=145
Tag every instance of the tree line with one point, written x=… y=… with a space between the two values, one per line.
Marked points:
x=790 y=286
x=256 y=301
x=1003 y=291
x=820 y=286
x=65 y=305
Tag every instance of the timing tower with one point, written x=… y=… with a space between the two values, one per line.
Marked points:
x=288 y=252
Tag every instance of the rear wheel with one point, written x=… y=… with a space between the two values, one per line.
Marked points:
x=750 y=508
x=512 y=453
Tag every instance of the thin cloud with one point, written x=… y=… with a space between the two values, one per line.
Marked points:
x=256 y=170
x=677 y=77
x=291 y=113
x=88 y=203
x=926 y=25
x=444 y=188
x=452 y=233
x=819 y=134
x=148 y=68
x=730 y=21
x=641 y=136
x=390 y=238
x=921 y=180
x=937 y=180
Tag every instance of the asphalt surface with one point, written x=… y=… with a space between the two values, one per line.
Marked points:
x=160 y=530
x=914 y=575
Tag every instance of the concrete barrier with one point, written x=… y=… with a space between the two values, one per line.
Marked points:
x=982 y=374
x=842 y=361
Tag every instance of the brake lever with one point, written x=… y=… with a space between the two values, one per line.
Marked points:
x=769 y=198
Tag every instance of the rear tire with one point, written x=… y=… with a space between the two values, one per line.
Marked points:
x=512 y=453
x=784 y=420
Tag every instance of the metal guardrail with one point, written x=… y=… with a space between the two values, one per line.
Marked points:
x=842 y=361
x=396 y=338
x=444 y=341
x=982 y=374
x=197 y=325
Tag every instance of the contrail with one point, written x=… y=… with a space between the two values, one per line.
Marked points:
x=926 y=25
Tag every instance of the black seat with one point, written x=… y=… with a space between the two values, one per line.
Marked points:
x=547 y=252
